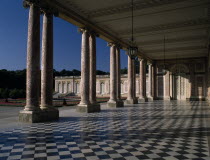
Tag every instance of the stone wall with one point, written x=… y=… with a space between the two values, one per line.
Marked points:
x=187 y=80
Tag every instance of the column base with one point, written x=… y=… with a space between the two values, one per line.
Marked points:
x=142 y=99
x=50 y=114
x=88 y=108
x=38 y=116
x=150 y=99
x=168 y=98
x=131 y=101
x=115 y=104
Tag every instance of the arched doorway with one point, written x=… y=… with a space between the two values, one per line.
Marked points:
x=180 y=82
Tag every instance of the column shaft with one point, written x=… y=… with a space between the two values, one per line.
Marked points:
x=118 y=73
x=167 y=86
x=47 y=62
x=142 y=79
x=134 y=79
x=33 y=60
x=84 y=83
x=130 y=79
x=87 y=87
x=150 y=82
x=113 y=78
x=92 y=43
x=131 y=83
x=153 y=81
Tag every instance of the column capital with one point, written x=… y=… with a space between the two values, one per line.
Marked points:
x=93 y=33
x=118 y=46
x=150 y=64
x=84 y=30
x=49 y=11
x=28 y=3
x=111 y=44
x=141 y=59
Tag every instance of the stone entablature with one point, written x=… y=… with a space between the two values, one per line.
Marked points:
x=64 y=85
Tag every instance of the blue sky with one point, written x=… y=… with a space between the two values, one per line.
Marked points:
x=67 y=41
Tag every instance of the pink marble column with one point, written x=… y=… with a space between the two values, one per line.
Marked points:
x=33 y=60
x=92 y=90
x=31 y=113
x=150 y=96
x=134 y=79
x=85 y=105
x=167 y=86
x=84 y=83
x=118 y=74
x=113 y=79
x=192 y=81
x=47 y=62
x=130 y=98
x=154 y=81
x=48 y=111
x=142 y=79
x=92 y=44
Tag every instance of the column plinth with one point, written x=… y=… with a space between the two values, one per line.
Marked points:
x=142 y=79
x=130 y=98
x=32 y=111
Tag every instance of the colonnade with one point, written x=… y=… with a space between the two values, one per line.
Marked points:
x=34 y=110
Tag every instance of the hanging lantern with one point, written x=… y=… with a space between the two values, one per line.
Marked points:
x=164 y=59
x=132 y=52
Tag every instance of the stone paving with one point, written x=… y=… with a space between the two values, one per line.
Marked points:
x=153 y=130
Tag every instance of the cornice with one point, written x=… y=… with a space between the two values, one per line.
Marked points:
x=127 y=7
x=163 y=27
x=151 y=51
x=172 y=40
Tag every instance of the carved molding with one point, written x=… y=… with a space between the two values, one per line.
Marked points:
x=127 y=7
x=164 y=27
x=175 y=49
x=173 y=40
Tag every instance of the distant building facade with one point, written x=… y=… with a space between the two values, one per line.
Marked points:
x=184 y=79
x=71 y=84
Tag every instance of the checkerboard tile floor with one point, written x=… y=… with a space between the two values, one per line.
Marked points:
x=154 y=130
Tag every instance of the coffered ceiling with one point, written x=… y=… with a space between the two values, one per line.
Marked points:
x=184 y=23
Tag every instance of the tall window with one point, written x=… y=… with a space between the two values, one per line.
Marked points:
x=102 y=88
x=122 y=90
